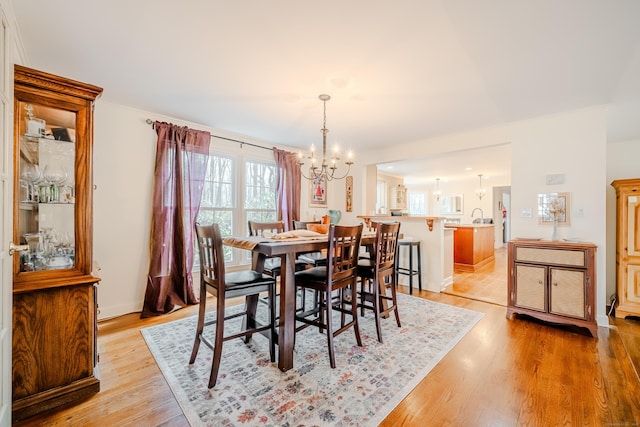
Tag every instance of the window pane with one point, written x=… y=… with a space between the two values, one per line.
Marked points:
x=417 y=204
x=381 y=196
x=260 y=186
x=218 y=185
x=224 y=219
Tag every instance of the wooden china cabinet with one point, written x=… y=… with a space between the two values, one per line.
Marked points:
x=54 y=292
x=628 y=247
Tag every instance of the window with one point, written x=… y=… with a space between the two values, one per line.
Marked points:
x=417 y=204
x=260 y=191
x=381 y=196
x=224 y=185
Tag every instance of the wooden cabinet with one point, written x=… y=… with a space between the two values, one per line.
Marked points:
x=54 y=293
x=473 y=246
x=553 y=281
x=628 y=247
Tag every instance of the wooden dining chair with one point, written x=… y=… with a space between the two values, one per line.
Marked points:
x=338 y=275
x=224 y=286
x=378 y=275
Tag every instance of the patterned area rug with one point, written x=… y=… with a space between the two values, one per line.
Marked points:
x=368 y=382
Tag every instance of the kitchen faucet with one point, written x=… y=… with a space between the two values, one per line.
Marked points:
x=481 y=214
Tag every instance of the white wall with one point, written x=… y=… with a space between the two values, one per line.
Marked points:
x=572 y=143
x=124 y=156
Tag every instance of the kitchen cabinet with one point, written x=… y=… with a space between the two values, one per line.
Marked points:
x=627 y=247
x=473 y=246
x=54 y=292
x=552 y=281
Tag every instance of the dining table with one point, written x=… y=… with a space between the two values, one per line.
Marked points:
x=287 y=249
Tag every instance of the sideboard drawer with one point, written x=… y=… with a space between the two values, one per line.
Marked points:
x=551 y=256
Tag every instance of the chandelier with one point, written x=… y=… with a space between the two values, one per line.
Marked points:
x=326 y=169
x=437 y=193
x=480 y=191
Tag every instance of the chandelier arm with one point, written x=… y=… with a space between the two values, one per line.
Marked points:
x=340 y=177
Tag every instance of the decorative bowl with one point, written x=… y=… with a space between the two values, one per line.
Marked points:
x=319 y=228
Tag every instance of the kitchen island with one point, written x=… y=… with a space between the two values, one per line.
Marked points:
x=437 y=247
x=473 y=246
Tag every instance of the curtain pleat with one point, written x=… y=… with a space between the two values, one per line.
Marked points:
x=180 y=168
x=288 y=187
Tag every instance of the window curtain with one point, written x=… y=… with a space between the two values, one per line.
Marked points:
x=287 y=187
x=180 y=168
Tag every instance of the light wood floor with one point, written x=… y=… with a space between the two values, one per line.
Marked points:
x=502 y=373
x=488 y=284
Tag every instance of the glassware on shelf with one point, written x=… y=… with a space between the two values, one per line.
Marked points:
x=55 y=175
x=34 y=259
x=30 y=174
x=48 y=250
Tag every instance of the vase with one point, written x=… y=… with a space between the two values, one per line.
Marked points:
x=335 y=215
x=554 y=236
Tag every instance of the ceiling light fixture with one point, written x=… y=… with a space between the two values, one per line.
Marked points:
x=437 y=193
x=325 y=170
x=480 y=191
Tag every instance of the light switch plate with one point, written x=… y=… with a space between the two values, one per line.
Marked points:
x=526 y=213
x=554 y=179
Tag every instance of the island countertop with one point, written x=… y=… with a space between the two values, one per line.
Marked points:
x=451 y=225
x=436 y=246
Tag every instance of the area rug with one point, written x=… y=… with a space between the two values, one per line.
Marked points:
x=367 y=383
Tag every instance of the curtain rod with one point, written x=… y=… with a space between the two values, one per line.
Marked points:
x=151 y=122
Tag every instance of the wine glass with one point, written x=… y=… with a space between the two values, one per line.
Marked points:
x=55 y=175
x=30 y=173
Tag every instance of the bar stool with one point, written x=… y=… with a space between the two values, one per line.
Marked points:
x=411 y=244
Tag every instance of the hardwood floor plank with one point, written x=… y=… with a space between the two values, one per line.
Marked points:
x=504 y=372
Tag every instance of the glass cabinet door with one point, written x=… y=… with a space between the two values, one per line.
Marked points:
x=47 y=190
x=53 y=190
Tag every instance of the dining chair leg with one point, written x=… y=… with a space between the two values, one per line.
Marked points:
x=394 y=301
x=329 y=325
x=363 y=287
x=356 y=324
x=217 y=345
x=272 y=319
x=200 y=327
x=322 y=308
x=376 y=307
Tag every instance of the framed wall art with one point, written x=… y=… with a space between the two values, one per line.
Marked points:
x=318 y=192
x=554 y=207
x=349 y=193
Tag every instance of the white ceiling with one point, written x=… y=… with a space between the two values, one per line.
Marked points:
x=396 y=71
